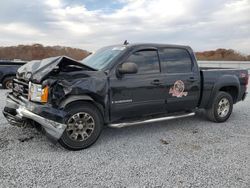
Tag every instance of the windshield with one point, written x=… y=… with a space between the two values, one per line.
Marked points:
x=101 y=58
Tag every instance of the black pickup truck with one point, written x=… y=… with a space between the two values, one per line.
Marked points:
x=119 y=86
x=8 y=72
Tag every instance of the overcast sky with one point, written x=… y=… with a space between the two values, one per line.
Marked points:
x=90 y=24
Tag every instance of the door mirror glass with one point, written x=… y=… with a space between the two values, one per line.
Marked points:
x=128 y=68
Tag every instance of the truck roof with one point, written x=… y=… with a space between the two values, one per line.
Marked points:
x=13 y=61
x=156 y=45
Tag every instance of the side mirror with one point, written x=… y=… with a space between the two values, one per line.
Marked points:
x=128 y=68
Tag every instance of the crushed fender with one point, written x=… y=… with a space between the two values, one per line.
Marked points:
x=66 y=77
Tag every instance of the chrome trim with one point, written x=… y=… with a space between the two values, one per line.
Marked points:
x=13 y=120
x=53 y=128
x=12 y=101
x=120 y=125
x=20 y=82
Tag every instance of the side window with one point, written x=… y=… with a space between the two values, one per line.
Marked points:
x=174 y=60
x=146 y=60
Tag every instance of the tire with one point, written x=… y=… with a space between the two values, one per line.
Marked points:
x=84 y=126
x=221 y=108
x=7 y=82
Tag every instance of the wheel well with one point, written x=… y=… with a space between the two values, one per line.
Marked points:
x=97 y=105
x=6 y=76
x=232 y=90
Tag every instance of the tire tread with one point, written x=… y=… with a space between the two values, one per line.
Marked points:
x=74 y=107
x=211 y=111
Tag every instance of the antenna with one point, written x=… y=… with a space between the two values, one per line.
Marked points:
x=125 y=42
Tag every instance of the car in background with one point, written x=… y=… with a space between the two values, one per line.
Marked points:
x=8 y=69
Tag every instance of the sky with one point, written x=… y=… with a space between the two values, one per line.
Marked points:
x=91 y=24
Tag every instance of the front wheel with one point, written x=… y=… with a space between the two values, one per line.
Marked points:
x=84 y=125
x=221 y=108
x=7 y=82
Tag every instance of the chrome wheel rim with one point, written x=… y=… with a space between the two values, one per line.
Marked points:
x=223 y=107
x=8 y=84
x=80 y=126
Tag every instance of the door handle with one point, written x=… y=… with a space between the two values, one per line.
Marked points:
x=192 y=79
x=156 y=82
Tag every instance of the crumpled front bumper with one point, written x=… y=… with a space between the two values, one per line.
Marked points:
x=17 y=111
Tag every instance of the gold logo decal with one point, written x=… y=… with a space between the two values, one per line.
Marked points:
x=177 y=90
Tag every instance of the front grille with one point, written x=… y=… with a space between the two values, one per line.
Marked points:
x=20 y=88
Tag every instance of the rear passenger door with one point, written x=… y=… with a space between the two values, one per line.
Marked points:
x=182 y=82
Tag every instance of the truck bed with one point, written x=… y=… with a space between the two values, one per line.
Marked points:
x=211 y=77
x=216 y=68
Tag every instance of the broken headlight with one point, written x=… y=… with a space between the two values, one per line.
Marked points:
x=37 y=93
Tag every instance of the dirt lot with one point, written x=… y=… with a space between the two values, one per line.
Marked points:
x=190 y=152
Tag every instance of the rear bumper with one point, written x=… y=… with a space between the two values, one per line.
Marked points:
x=17 y=111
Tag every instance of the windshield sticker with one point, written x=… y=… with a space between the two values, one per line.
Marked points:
x=119 y=48
x=177 y=90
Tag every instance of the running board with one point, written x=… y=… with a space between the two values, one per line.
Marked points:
x=124 y=124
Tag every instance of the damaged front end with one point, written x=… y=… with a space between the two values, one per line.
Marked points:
x=42 y=90
x=20 y=111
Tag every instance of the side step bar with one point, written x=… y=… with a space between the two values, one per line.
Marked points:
x=124 y=124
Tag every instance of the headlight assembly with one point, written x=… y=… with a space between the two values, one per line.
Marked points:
x=37 y=93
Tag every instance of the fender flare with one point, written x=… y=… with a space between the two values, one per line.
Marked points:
x=74 y=98
x=224 y=81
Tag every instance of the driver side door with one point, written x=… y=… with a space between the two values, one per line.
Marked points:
x=139 y=94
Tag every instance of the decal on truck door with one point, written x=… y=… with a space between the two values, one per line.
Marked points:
x=177 y=90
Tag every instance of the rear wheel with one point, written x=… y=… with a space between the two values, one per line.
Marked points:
x=7 y=82
x=84 y=125
x=221 y=108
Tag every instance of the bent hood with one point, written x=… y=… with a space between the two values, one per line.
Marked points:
x=38 y=70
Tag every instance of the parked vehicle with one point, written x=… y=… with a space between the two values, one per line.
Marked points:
x=119 y=86
x=8 y=72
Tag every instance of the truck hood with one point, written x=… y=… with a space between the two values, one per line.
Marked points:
x=38 y=70
x=66 y=77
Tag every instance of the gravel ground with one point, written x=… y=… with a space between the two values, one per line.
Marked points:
x=190 y=152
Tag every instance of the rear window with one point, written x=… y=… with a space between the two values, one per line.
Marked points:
x=174 y=60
